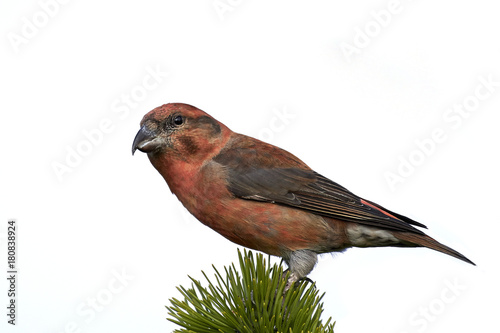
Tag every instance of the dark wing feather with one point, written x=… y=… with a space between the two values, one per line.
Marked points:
x=338 y=202
x=302 y=188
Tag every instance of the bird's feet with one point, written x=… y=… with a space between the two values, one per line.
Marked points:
x=292 y=278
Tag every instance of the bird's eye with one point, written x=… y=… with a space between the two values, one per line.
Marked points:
x=178 y=120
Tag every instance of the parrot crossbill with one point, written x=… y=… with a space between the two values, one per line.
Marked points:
x=263 y=197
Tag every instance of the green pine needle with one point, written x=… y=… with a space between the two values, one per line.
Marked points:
x=248 y=301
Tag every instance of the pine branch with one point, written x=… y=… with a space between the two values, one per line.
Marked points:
x=251 y=300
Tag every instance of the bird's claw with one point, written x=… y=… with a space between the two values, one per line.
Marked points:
x=294 y=278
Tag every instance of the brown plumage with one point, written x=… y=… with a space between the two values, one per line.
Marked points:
x=263 y=197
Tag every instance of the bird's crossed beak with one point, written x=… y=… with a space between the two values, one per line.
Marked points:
x=145 y=140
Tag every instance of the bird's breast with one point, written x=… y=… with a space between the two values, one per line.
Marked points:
x=263 y=226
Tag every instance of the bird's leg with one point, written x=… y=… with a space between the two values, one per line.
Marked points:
x=291 y=280
x=300 y=263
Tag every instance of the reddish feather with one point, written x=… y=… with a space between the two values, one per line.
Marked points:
x=263 y=197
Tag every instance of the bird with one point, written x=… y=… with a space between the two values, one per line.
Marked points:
x=263 y=197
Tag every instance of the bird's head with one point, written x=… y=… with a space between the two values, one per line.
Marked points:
x=180 y=130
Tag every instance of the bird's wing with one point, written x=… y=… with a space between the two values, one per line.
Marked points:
x=261 y=179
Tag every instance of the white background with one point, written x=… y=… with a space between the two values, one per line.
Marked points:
x=350 y=117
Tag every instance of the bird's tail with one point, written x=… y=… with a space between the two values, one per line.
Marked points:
x=416 y=240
